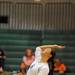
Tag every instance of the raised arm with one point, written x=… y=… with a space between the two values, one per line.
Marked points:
x=52 y=46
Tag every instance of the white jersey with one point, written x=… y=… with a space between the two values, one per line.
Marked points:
x=36 y=67
x=38 y=54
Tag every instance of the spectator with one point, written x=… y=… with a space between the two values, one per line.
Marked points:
x=2 y=59
x=59 y=67
x=22 y=69
x=28 y=58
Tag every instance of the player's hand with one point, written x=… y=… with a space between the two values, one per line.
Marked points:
x=61 y=46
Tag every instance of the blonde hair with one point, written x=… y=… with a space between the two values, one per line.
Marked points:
x=47 y=50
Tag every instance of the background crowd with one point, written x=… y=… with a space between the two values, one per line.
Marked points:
x=27 y=60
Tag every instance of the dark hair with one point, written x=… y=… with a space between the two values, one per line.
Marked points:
x=59 y=59
x=22 y=69
x=51 y=63
x=2 y=52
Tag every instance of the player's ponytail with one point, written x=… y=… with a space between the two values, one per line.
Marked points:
x=51 y=63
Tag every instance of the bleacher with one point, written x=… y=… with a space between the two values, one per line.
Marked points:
x=14 y=43
x=63 y=38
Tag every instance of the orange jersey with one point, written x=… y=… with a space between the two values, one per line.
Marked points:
x=62 y=67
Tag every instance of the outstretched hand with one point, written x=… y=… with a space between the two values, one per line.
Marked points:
x=59 y=46
x=51 y=46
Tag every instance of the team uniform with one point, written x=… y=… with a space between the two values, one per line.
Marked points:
x=36 y=67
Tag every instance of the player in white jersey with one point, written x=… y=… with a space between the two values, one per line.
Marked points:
x=40 y=65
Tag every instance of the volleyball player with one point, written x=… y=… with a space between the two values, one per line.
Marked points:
x=40 y=65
